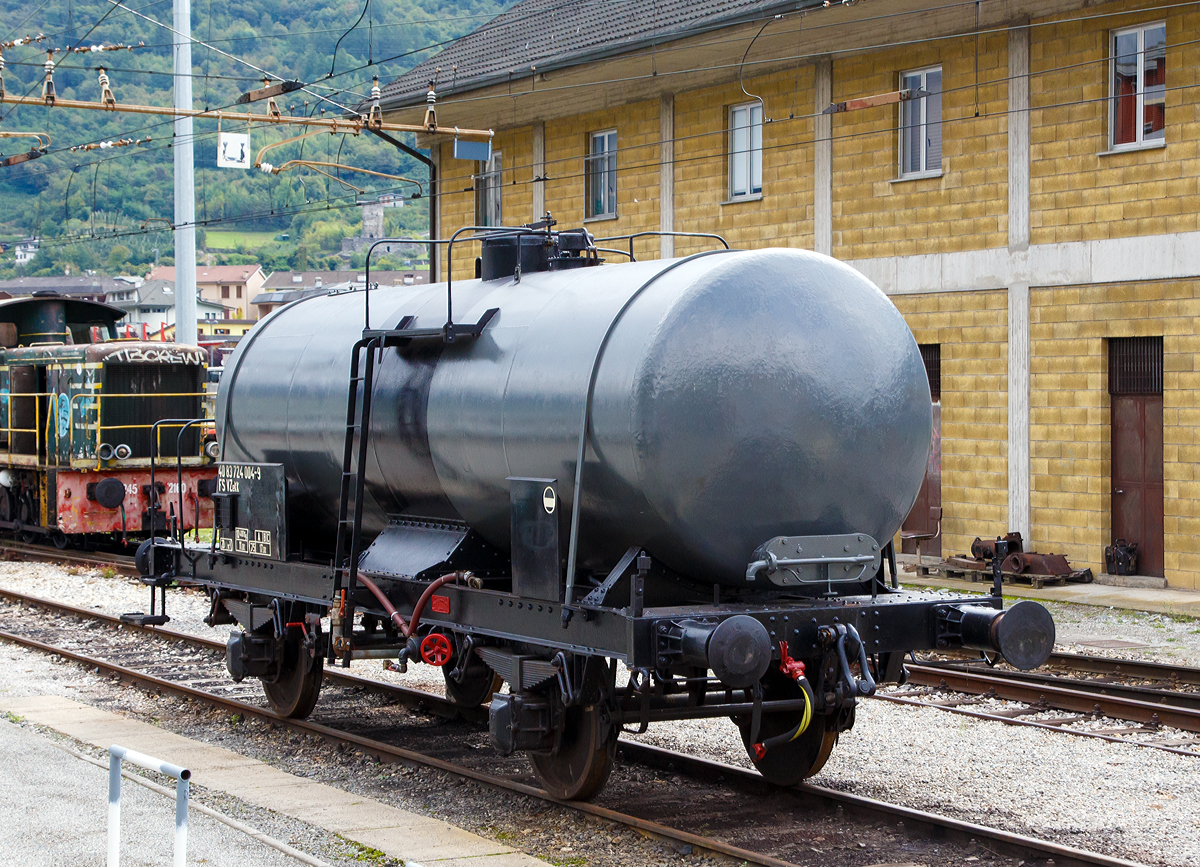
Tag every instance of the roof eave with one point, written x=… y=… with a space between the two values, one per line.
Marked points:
x=416 y=98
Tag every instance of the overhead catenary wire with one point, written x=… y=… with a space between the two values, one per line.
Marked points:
x=802 y=57
x=650 y=164
x=996 y=81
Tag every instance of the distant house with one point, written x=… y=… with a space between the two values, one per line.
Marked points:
x=153 y=304
x=232 y=286
x=26 y=250
x=217 y=331
x=84 y=286
x=284 y=287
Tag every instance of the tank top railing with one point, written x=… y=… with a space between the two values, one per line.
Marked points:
x=449 y=332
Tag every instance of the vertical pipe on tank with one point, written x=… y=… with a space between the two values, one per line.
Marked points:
x=586 y=422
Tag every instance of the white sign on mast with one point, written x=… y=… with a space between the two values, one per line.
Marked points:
x=233 y=150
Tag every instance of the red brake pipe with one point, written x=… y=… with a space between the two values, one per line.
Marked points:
x=409 y=629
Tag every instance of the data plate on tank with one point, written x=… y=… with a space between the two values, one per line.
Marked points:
x=255 y=520
x=788 y=561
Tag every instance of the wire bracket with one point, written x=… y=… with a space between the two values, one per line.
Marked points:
x=106 y=94
x=48 y=83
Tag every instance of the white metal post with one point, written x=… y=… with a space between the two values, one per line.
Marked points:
x=114 y=809
x=181 y=821
x=185 y=181
x=181 y=775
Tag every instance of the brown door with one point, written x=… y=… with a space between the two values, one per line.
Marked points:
x=930 y=495
x=1135 y=380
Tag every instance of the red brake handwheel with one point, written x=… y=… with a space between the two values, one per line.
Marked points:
x=436 y=649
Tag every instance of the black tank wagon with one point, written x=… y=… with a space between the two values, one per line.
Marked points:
x=634 y=493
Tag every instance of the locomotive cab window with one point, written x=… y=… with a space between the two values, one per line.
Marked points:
x=1139 y=86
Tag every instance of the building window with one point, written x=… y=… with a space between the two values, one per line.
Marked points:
x=921 y=123
x=224 y=291
x=602 y=174
x=1139 y=84
x=745 y=150
x=1135 y=365
x=239 y=291
x=931 y=354
x=487 y=192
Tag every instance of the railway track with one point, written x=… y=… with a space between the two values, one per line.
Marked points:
x=194 y=668
x=1163 y=716
x=11 y=549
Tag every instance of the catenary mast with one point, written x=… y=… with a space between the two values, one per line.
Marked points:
x=185 y=181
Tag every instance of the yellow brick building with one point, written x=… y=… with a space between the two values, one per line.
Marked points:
x=1022 y=177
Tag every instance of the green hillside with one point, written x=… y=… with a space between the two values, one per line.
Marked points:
x=98 y=209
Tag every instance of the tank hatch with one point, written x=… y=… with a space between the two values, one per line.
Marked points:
x=535 y=247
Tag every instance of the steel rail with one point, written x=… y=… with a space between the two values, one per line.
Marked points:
x=1168 y=697
x=1126 y=667
x=388 y=752
x=1115 y=666
x=442 y=707
x=1010 y=843
x=1057 y=697
x=941 y=826
x=119 y=562
x=431 y=702
x=1037 y=724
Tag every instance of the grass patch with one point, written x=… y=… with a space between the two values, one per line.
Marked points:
x=108 y=572
x=367 y=855
x=221 y=239
x=13 y=718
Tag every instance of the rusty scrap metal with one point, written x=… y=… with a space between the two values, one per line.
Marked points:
x=1036 y=564
x=985 y=549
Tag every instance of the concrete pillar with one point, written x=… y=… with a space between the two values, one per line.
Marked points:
x=823 y=160
x=1018 y=139
x=1019 y=467
x=1019 y=471
x=666 y=175
x=539 y=170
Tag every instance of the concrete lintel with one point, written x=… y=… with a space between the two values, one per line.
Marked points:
x=1117 y=260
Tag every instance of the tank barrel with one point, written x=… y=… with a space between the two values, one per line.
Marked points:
x=1022 y=634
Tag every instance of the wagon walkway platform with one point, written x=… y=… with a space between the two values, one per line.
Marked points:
x=414 y=838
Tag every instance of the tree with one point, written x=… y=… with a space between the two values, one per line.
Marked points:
x=299 y=259
x=118 y=258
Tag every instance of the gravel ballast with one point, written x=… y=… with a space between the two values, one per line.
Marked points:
x=1113 y=798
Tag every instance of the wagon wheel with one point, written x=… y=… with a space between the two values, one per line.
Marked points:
x=796 y=760
x=477 y=685
x=25 y=515
x=294 y=694
x=585 y=756
x=60 y=539
x=6 y=509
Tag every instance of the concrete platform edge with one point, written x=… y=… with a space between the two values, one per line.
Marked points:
x=412 y=837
